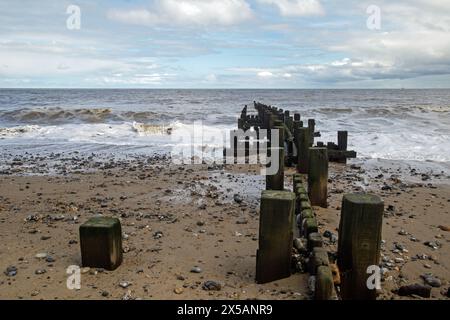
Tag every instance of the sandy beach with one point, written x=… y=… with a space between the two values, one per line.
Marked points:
x=186 y=225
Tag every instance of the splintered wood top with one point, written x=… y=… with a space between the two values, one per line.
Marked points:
x=101 y=222
x=363 y=198
x=278 y=195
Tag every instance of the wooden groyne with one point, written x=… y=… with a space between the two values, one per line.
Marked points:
x=287 y=212
x=288 y=224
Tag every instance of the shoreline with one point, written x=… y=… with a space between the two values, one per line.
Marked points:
x=202 y=225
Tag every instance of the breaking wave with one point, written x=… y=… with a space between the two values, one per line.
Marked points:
x=61 y=116
x=17 y=131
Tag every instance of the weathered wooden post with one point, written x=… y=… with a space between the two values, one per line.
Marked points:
x=276 y=181
x=273 y=258
x=314 y=241
x=302 y=150
x=247 y=149
x=234 y=146
x=342 y=140
x=240 y=123
x=257 y=143
x=312 y=130
x=359 y=243
x=287 y=117
x=101 y=243
x=318 y=176
x=342 y=144
x=324 y=283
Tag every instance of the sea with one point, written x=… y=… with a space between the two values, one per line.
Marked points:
x=397 y=124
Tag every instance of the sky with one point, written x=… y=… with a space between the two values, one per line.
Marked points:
x=225 y=44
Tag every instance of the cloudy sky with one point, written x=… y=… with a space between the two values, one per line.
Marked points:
x=225 y=44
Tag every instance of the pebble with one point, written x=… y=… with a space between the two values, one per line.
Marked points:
x=432 y=245
x=242 y=221
x=444 y=228
x=196 y=270
x=85 y=270
x=327 y=234
x=11 y=271
x=399 y=260
x=178 y=290
x=300 y=245
x=212 y=286
x=422 y=256
x=105 y=293
x=49 y=259
x=40 y=271
x=416 y=289
x=41 y=255
x=124 y=284
x=157 y=235
x=432 y=281
x=237 y=198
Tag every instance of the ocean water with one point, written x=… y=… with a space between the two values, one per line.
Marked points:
x=382 y=124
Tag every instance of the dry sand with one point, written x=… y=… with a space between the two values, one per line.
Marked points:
x=176 y=218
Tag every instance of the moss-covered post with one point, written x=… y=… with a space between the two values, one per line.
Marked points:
x=318 y=176
x=359 y=243
x=303 y=150
x=101 y=243
x=324 y=283
x=273 y=258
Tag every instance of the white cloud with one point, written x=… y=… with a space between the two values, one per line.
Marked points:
x=296 y=8
x=265 y=74
x=19 y=64
x=211 y=77
x=187 y=12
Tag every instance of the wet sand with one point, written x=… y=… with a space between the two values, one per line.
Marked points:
x=176 y=218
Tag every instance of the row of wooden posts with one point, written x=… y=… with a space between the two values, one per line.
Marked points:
x=359 y=229
x=361 y=214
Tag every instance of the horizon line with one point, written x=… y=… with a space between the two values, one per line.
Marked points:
x=206 y=88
